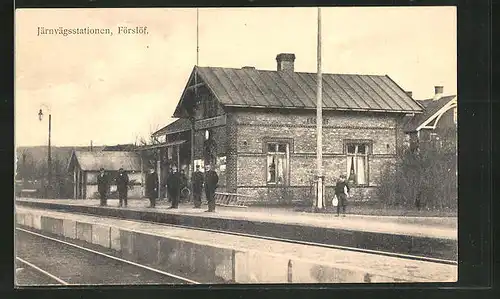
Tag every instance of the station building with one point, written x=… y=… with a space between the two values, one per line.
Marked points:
x=258 y=128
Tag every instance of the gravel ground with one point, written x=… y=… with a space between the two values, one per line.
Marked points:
x=76 y=266
x=26 y=276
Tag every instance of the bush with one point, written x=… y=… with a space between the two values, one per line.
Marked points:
x=421 y=179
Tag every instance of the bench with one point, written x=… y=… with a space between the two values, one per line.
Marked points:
x=231 y=200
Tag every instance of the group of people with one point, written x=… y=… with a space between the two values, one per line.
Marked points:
x=122 y=183
x=175 y=183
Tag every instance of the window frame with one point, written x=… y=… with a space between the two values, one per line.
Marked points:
x=288 y=150
x=368 y=152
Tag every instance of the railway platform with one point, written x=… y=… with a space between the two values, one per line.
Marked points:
x=423 y=236
x=217 y=257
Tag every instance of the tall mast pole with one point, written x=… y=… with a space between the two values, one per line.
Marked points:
x=319 y=122
x=195 y=92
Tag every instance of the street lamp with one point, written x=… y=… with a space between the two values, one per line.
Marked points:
x=49 y=157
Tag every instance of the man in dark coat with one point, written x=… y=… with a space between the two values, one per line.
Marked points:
x=122 y=187
x=152 y=187
x=211 y=184
x=102 y=186
x=173 y=187
x=197 y=181
x=342 y=192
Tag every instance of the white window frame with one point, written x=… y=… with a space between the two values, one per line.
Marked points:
x=276 y=153
x=353 y=157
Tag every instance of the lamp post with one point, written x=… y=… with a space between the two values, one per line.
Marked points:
x=49 y=156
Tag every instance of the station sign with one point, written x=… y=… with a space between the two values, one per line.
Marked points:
x=210 y=122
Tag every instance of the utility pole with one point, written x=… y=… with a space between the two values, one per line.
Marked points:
x=49 y=156
x=192 y=118
x=158 y=167
x=319 y=125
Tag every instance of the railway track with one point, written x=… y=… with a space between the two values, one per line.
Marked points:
x=102 y=273
x=44 y=273
x=292 y=241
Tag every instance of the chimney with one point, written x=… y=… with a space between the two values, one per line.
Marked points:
x=438 y=92
x=409 y=93
x=285 y=61
x=248 y=67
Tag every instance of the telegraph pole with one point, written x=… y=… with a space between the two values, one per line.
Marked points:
x=319 y=125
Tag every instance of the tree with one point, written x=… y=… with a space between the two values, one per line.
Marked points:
x=426 y=178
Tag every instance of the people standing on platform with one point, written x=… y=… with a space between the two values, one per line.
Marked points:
x=152 y=187
x=122 y=182
x=102 y=186
x=197 y=181
x=342 y=192
x=211 y=184
x=173 y=187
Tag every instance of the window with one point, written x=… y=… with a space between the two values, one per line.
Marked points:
x=357 y=162
x=277 y=163
x=221 y=170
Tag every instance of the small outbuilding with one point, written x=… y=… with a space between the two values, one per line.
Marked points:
x=85 y=168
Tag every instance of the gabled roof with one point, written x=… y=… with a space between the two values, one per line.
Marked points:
x=180 y=125
x=413 y=123
x=110 y=161
x=285 y=89
x=119 y=147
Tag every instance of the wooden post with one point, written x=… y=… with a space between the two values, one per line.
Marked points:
x=158 y=166
x=178 y=158
x=75 y=184
x=142 y=177
x=319 y=122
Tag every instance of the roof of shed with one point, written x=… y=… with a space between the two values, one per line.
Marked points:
x=109 y=160
x=287 y=89
x=431 y=107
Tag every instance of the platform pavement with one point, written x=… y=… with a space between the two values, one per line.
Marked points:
x=432 y=227
x=232 y=258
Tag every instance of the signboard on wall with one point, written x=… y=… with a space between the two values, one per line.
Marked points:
x=210 y=122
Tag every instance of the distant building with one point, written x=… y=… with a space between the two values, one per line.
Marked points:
x=437 y=125
x=85 y=168
x=119 y=148
x=258 y=128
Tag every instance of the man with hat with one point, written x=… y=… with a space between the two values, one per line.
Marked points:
x=122 y=187
x=152 y=187
x=211 y=184
x=173 y=187
x=197 y=181
x=342 y=192
x=102 y=186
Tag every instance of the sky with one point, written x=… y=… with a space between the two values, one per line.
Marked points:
x=113 y=89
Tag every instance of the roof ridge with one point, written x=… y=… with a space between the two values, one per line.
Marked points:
x=297 y=72
x=442 y=97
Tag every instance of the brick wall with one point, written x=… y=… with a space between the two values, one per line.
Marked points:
x=341 y=126
x=254 y=127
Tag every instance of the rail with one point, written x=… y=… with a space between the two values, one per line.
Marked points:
x=183 y=279
x=40 y=270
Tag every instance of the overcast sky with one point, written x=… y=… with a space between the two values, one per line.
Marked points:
x=112 y=89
